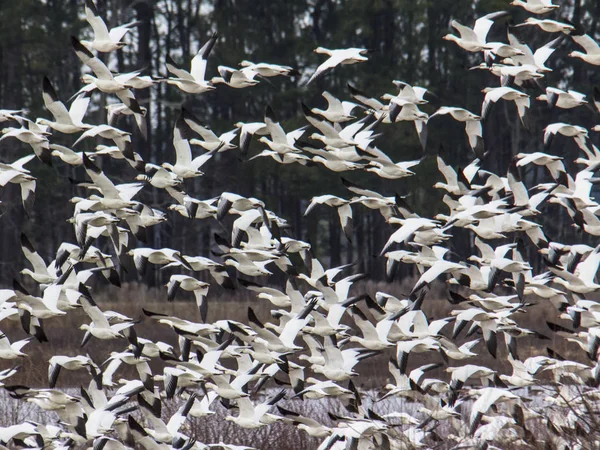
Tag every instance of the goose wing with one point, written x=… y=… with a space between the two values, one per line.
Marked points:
x=589 y=45
x=93 y=17
x=88 y=58
x=273 y=126
x=99 y=178
x=39 y=266
x=198 y=70
x=53 y=104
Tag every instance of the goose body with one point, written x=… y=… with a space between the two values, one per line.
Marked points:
x=194 y=81
x=337 y=57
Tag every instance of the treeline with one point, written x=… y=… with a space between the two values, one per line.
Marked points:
x=405 y=39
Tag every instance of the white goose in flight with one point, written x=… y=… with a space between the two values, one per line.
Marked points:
x=536 y=6
x=591 y=47
x=104 y=40
x=337 y=57
x=472 y=123
x=337 y=111
x=269 y=70
x=474 y=39
x=211 y=141
x=343 y=207
x=280 y=142
x=193 y=82
x=237 y=79
x=26 y=182
x=104 y=79
x=548 y=25
x=185 y=166
x=36 y=135
x=66 y=121
x=562 y=99
x=493 y=94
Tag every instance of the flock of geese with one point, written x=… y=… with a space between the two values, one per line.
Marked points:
x=318 y=333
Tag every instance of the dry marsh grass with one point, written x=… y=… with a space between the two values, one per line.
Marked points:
x=65 y=336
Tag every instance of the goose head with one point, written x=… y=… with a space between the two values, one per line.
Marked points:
x=450 y=37
x=577 y=54
x=322 y=50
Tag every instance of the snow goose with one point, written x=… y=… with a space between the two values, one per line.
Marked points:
x=284 y=342
x=229 y=200
x=474 y=40
x=233 y=389
x=125 y=151
x=255 y=416
x=472 y=125
x=185 y=166
x=582 y=279
x=438 y=268
x=56 y=363
x=337 y=57
x=211 y=141
x=373 y=337
x=343 y=207
x=165 y=432
x=548 y=25
x=195 y=209
x=159 y=177
x=562 y=99
x=460 y=375
x=276 y=297
x=41 y=272
x=100 y=328
x=496 y=257
x=247 y=130
x=409 y=227
x=310 y=426
x=33 y=134
x=280 y=141
x=104 y=40
x=405 y=111
x=187 y=283
x=11 y=114
x=12 y=351
x=492 y=95
x=119 y=137
x=113 y=197
x=536 y=6
x=337 y=111
x=331 y=161
x=577 y=132
x=452 y=184
x=237 y=79
x=68 y=156
x=517 y=75
x=193 y=82
x=339 y=365
x=487 y=397
x=386 y=168
x=535 y=60
x=404 y=383
x=269 y=70
x=104 y=79
x=330 y=137
x=144 y=255
x=184 y=327
x=114 y=110
x=554 y=164
x=66 y=121
x=26 y=182
x=199 y=263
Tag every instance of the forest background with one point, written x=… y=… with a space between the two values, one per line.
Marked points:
x=405 y=39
